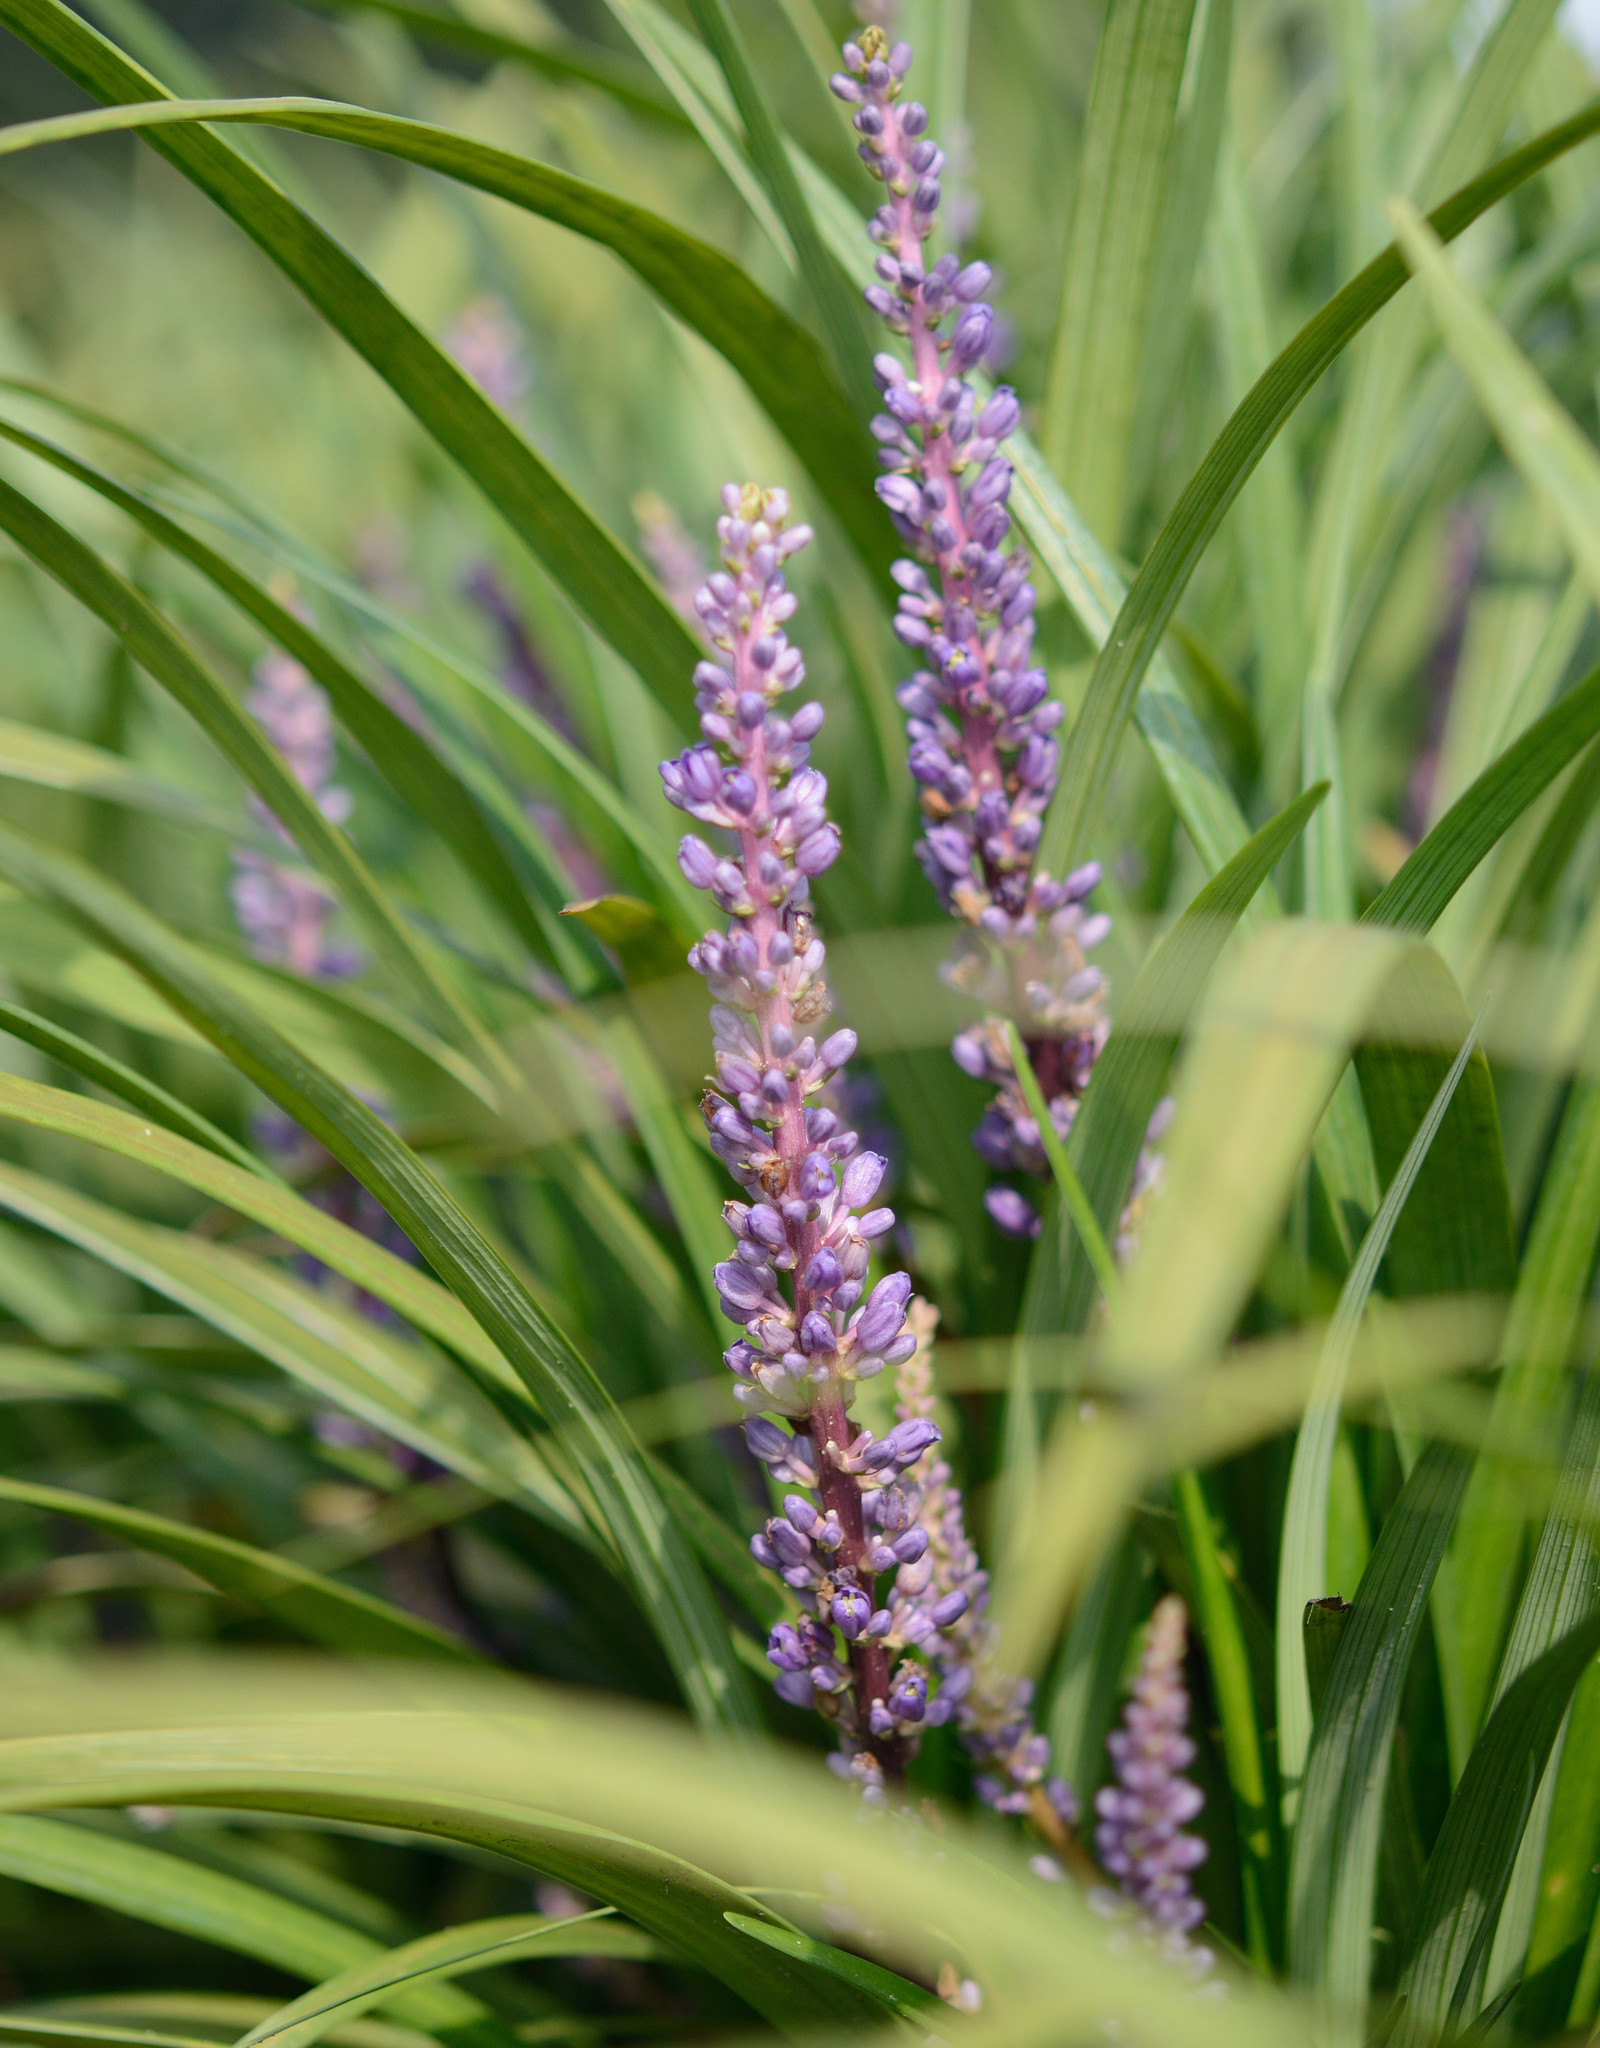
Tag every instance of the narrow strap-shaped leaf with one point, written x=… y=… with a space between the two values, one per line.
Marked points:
x=337 y=1616
x=631 y=1514
x=92 y=2033
x=52 y=761
x=167 y=1891
x=111 y=1074
x=1488 y=1553
x=1333 y=1866
x=1070 y=1193
x=689 y=72
x=903 y=1998
x=1303 y=1552
x=1118 y=206
x=1482 y=814
x=338 y=1354
x=1104 y=1143
x=1556 y=460
x=452 y=1952
x=1094 y=587
x=1471 y=1861
x=153 y=644
x=837 y=309
x=385 y=1770
x=1254 y=424
x=563 y=59
x=601 y=579
x=1130 y=1074
x=1191 y=179
x=1216 y=1615
x=413 y=769
x=777 y=357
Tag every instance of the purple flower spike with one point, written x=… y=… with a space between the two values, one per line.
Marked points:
x=1141 y=1835
x=979 y=713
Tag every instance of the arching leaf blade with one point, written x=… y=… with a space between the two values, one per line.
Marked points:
x=779 y=360
x=627 y=1504
x=166 y=1891
x=339 y=1617
x=452 y=1952
x=1471 y=1861
x=166 y=657
x=118 y=1078
x=1482 y=814
x=586 y=561
x=1254 y=424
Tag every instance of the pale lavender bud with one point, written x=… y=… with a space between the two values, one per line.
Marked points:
x=861 y=1178
x=838 y=1049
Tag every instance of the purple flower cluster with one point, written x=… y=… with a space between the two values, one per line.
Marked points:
x=980 y=718
x=1141 y=1835
x=991 y=1711
x=797 y=1281
x=283 y=912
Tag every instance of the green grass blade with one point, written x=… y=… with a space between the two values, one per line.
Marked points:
x=1191 y=183
x=775 y=355
x=49 y=760
x=1333 y=1864
x=1569 y=1887
x=904 y=1999
x=1249 y=432
x=684 y=1906
x=166 y=1891
x=1069 y=1188
x=1093 y=585
x=1132 y=1071
x=602 y=581
x=414 y=770
x=689 y=73
x=1303 y=1552
x=683 y=1169
x=1092 y=392
x=92 y=2033
x=1217 y=1618
x=453 y=1952
x=1559 y=1594
x=163 y=655
x=1485 y=812
x=1471 y=1861
x=565 y=60
x=70 y=1050
x=1487 y=1555
x=629 y=1808
x=630 y=1512
x=1555 y=458
x=336 y=1616
x=836 y=308
x=399 y=1388
x=1270 y=520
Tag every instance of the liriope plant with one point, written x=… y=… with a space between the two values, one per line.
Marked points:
x=1179 y=1543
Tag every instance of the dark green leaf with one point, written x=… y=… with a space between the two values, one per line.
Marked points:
x=1188 y=528
x=588 y=1430
x=603 y=581
x=118 y=1079
x=316 y=1607
x=776 y=356
x=903 y=1998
